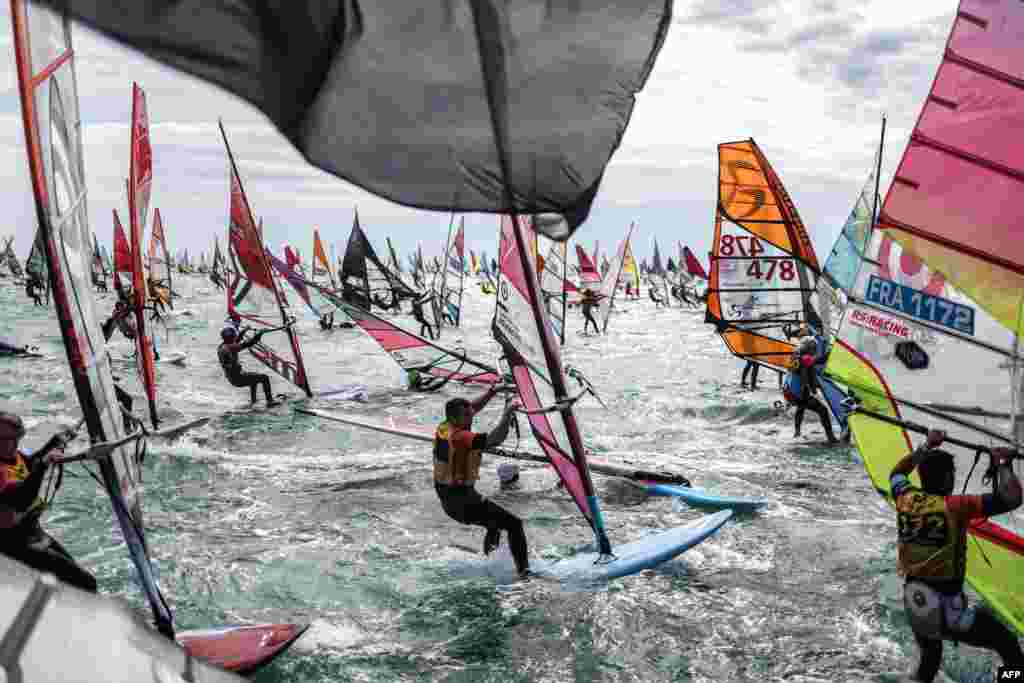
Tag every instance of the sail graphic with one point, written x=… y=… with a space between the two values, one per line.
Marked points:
x=553 y=286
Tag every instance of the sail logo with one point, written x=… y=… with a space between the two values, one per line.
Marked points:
x=920 y=305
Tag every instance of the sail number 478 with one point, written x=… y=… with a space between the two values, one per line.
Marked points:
x=760 y=269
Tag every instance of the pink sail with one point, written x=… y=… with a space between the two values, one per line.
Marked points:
x=955 y=199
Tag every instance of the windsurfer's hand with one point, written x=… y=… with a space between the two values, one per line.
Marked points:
x=935 y=438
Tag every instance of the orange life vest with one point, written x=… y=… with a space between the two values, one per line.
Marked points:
x=454 y=464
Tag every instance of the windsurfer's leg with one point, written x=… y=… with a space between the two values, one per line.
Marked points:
x=990 y=633
x=931 y=658
x=798 y=418
x=43 y=553
x=753 y=375
x=746 y=371
x=826 y=420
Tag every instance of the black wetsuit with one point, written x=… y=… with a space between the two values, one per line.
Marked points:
x=426 y=329
x=26 y=542
x=215 y=279
x=238 y=377
x=463 y=503
x=752 y=368
x=587 y=304
x=327 y=321
x=33 y=288
x=807 y=401
x=123 y=397
x=654 y=297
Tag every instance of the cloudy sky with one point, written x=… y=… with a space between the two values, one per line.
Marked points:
x=808 y=79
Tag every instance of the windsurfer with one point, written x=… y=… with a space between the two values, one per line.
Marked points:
x=227 y=355
x=932 y=552
x=752 y=369
x=34 y=288
x=799 y=386
x=155 y=295
x=121 y=318
x=426 y=329
x=653 y=294
x=9 y=349
x=457 y=454
x=21 y=478
x=588 y=299
x=327 y=321
x=216 y=279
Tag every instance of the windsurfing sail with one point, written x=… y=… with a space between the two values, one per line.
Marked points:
x=657 y=277
x=610 y=283
x=630 y=271
x=553 y=287
x=122 y=254
x=365 y=280
x=932 y=330
x=426 y=363
x=160 y=261
x=589 y=277
x=49 y=107
x=252 y=292
x=693 y=266
x=35 y=266
x=140 y=176
x=12 y=259
x=763 y=267
x=97 y=262
x=321 y=266
x=454 y=275
x=528 y=343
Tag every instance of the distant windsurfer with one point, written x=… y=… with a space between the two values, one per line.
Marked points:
x=327 y=321
x=154 y=287
x=99 y=282
x=588 y=300
x=653 y=294
x=21 y=478
x=216 y=279
x=800 y=384
x=426 y=329
x=231 y=345
x=752 y=369
x=932 y=552
x=457 y=455
x=34 y=288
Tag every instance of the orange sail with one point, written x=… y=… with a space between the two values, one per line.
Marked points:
x=763 y=268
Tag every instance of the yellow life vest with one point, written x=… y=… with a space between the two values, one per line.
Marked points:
x=454 y=465
x=932 y=538
x=13 y=474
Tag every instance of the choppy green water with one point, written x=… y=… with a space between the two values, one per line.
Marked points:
x=277 y=516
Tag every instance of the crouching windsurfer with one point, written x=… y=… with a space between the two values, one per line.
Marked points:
x=932 y=552
x=457 y=454
x=34 y=289
x=227 y=353
x=21 y=478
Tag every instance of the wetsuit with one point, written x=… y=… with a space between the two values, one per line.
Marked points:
x=932 y=556
x=121 y=321
x=457 y=454
x=21 y=537
x=426 y=329
x=752 y=368
x=237 y=377
x=215 y=279
x=587 y=303
x=798 y=388
x=327 y=321
x=33 y=288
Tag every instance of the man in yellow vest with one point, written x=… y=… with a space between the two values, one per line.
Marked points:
x=21 y=478
x=932 y=552
x=457 y=454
